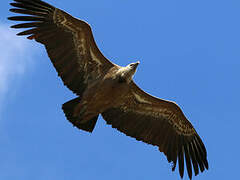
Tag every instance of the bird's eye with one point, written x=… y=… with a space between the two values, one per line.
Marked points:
x=131 y=64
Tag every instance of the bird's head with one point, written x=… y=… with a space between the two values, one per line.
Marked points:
x=132 y=67
x=126 y=73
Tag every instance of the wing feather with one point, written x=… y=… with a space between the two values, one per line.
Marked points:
x=198 y=156
x=181 y=160
x=69 y=42
x=175 y=152
x=28 y=12
x=193 y=157
x=188 y=160
x=162 y=123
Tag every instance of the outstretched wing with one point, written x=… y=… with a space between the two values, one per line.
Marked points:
x=69 y=42
x=161 y=123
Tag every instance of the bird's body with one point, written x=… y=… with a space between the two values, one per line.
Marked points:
x=105 y=88
x=108 y=91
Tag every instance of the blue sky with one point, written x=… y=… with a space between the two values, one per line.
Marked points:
x=189 y=52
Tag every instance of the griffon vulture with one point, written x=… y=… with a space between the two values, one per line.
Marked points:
x=105 y=88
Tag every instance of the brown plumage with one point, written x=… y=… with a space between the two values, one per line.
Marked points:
x=108 y=89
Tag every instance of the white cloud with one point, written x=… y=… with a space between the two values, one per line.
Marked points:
x=15 y=58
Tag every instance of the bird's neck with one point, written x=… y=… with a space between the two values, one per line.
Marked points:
x=124 y=75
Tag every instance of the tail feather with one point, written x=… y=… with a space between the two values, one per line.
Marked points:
x=68 y=109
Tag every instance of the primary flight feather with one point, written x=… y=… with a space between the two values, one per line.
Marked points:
x=108 y=89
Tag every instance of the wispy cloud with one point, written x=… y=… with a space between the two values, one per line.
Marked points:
x=15 y=58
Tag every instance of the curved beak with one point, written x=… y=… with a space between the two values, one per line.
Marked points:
x=136 y=64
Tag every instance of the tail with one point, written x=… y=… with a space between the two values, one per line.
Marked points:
x=68 y=109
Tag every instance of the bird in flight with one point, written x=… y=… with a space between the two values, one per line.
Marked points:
x=105 y=88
